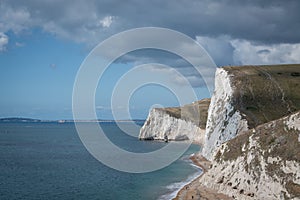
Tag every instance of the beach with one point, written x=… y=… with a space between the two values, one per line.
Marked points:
x=194 y=189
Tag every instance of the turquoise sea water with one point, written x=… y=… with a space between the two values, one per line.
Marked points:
x=48 y=161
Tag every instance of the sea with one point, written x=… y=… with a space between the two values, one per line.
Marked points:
x=47 y=160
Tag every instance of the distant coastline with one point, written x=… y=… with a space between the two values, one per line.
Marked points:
x=19 y=119
x=24 y=120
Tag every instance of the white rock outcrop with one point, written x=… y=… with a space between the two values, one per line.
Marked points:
x=293 y=122
x=224 y=121
x=263 y=167
x=236 y=182
x=160 y=124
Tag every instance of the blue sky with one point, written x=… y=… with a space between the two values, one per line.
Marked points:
x=43 y=43
x=38 y=71
x=37 y=76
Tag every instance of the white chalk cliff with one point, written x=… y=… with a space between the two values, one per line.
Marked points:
x=224 y=122
x=159 y=124
x=169 y=122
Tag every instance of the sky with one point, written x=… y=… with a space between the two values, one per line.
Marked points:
x=44 y=43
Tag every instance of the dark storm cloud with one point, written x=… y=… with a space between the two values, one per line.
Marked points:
x=262 y=21
x=232 y=31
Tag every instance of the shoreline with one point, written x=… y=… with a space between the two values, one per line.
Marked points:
x=194 y=189
x=177 y=186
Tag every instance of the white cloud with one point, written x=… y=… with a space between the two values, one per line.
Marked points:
x=53 y=66
x=19 y=44
x=3 y=41
x=77 y=21
x=17 y=19
x=106 y=21
x=249 y=53
x=227 y=51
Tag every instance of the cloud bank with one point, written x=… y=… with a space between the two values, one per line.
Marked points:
x=233 y=32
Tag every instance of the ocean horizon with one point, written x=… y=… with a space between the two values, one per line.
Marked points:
x=46 y=160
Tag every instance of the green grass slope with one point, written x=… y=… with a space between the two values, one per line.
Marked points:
x=265 y=93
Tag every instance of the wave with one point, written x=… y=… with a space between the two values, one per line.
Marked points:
x=174 y=188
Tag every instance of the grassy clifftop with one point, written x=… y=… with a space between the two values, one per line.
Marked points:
x=195 y=112
x=265 y=93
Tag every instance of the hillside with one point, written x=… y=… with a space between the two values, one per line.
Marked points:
x=247 y=96
x=265 y=93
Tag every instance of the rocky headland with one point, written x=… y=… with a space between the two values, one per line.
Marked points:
x=250 y=134
x=177 y=123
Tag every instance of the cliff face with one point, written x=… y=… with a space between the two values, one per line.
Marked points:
x=248 y=96
x=252 y=131
x=224 y=120
x=261 y=163
x=179 y=123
